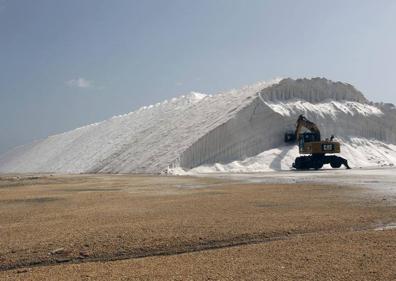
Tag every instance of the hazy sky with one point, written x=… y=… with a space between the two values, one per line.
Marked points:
x=66 y=63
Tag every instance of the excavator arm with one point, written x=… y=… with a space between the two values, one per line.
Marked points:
x=303 y=122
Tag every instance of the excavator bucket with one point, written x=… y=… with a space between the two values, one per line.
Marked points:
x=290 y=137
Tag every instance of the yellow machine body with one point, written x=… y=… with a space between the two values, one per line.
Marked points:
x=319 y=147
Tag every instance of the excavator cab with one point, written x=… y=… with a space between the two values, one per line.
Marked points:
x=290 y=137
x=306 y=138
x=309 y=137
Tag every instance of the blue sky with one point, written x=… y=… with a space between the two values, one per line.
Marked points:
x=67 y=63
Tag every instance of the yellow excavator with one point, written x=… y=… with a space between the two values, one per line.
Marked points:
x=313 y=148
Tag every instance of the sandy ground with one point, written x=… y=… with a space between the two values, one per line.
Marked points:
x=123 y=227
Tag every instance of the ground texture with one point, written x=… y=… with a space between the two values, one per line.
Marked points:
x=119 y=227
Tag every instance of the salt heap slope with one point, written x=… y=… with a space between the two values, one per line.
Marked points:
x=147 y=140
x=197 y=129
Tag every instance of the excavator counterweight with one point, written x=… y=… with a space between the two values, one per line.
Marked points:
x=313 y=148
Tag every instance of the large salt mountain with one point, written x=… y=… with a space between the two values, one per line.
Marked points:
x=243 y=127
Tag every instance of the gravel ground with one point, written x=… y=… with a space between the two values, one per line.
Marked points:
x=123 y=227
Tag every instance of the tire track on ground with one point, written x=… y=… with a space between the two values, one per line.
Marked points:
x=182 y=249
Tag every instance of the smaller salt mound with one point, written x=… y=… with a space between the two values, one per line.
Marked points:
x=359 y=152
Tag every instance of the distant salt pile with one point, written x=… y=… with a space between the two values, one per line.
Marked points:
x=201 y=130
